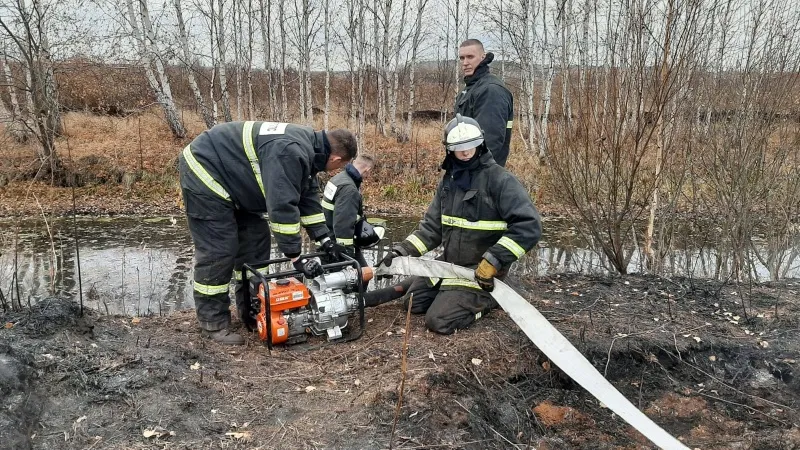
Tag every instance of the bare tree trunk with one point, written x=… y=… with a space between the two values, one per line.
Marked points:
x=212 y=34
x=237 y=54
x=362 y=34
x=188 y=62
x=50 y=91
x=502 y=42
x=176 y=125
x=648 y=243
x=531 y=58
x=380 y=44
x=266 y=37
x=564 y=15
x=327 y=66
x=406 y=135
x=223 y=78
x=250 y=106
x=399 y=43
x=18 y=128
x=282 y=73
x=352 y=32
x=584 y=47
x=457 y=71
x=146 y=40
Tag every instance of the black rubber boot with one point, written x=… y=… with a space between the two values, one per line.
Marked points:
x=224 y=336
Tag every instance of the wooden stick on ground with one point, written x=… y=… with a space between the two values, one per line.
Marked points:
x=402 y=371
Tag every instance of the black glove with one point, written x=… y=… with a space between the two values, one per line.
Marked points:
x=333 y=249
x=397 y=250
x=310 y=267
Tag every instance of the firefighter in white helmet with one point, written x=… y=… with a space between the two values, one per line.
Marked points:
x=484 y=219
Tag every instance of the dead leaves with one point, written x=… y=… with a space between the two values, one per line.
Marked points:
x=157 y=432
x=240 y=435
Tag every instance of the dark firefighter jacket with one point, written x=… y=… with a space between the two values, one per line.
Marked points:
x=264 y=167
x=343 y=205
x=495 y=219
x=486 y=99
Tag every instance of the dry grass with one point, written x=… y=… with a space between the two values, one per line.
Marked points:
x=108 y=153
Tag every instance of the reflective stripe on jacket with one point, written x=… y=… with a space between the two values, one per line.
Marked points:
x=495 y=219
x=343 y=205
x=265 y=167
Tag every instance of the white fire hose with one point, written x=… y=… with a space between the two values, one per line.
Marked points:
x=548 y=339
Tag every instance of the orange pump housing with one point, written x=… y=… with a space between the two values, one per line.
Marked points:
x=285 y=294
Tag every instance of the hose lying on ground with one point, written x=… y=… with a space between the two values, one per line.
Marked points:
x=548 y=339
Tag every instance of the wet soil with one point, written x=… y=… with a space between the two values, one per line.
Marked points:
x=715 y=365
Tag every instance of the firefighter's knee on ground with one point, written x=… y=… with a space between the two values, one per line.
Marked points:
x=439 y=325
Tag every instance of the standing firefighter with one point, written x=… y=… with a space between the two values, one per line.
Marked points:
x=344 y=209
x=486 y=99
x=484 y=219
x=239 y=181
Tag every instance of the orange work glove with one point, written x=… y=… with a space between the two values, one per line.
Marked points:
x=484 y=275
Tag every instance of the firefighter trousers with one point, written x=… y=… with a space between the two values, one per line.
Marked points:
x=447 y=310
x=224 y=238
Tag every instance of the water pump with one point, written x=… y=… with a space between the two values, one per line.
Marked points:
x=286 y=307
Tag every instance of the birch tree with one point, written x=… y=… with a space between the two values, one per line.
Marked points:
x=379 y=43
x=189 y=62
x=282 y=72
x=249 y=61
x=266 y=39
x=219 y=20
x=406 y=134
x=353 y=49
x=142 y=29
x=399 y=44
x=306 y=15
x=27 y=28
x=16 y=122
x=327 y=27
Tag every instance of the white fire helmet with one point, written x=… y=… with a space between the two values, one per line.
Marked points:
x=462 y=133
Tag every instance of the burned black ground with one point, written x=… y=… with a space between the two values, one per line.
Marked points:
x=714 y=364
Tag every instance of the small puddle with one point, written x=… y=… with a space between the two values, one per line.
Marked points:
x=139 y=265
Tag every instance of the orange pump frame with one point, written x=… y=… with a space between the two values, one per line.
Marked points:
x=281 y=297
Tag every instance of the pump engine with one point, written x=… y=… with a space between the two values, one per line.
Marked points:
x=287 y=309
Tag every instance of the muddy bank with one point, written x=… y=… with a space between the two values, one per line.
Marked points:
x=710 y=371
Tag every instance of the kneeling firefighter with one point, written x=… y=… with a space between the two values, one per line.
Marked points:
x=484 y=219
x=344 y=210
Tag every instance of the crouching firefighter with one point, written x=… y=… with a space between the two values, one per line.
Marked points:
x=241 y=180
x=484 y=219
x=344 y=210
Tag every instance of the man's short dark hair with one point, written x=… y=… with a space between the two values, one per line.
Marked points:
x=343 y=143
x=469 y=42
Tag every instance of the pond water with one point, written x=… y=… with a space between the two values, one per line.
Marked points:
x=143 y=265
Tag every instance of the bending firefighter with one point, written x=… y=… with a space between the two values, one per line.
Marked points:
x=484 y=219
x=234 y=177
x=344 y=210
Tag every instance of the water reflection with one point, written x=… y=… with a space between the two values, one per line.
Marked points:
x=144 y=265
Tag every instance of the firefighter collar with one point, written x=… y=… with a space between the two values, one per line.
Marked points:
x=322 y=154
x=480 y=71
x=354 y=174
